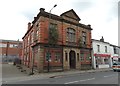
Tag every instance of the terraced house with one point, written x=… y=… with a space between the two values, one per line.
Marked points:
x=54 y=42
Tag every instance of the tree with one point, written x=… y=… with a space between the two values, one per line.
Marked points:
x=53 y=36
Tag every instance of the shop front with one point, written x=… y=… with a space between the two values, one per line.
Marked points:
x=102 y=60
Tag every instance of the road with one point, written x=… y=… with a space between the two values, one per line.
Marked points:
x=106 y=77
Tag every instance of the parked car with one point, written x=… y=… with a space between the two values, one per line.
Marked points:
x=116 y=66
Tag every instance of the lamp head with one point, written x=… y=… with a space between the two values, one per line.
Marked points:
x=55 y=5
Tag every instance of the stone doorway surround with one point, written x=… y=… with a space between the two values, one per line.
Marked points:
x=66 y=58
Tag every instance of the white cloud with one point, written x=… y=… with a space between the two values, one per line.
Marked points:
x=103 y=23
x=102 y=15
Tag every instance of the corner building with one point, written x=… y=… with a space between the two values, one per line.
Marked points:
x=72 y=50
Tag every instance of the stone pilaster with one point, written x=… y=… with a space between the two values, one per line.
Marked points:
x=40 y=59
x=65 y=63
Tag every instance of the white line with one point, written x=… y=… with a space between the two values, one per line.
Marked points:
x=79 y=81
x=108 y=76
x=71 y=82
x=87 y=79
x=91 y=79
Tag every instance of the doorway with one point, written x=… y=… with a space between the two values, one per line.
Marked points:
x=72 y=59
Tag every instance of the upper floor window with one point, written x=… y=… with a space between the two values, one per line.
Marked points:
x=106 y=49
x=37 y=33
x=84 y=37
x=98 y=48
x=53 y=26
x=28 y=40
x=32 y=37
x=115 y=50
x=70 y=35
x=53 y=34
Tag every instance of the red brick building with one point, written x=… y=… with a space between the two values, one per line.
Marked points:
x=10 y=49
x=73 y=47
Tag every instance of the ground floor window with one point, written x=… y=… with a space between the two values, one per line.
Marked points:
x=87 y=56
x=82 y=56
x=47 y=56
x=57 y=57
x=53 y=55
x=102 y=60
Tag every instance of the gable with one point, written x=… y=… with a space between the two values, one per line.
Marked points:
x=71 y=14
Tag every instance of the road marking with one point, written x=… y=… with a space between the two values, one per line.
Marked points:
x=79 y=81
x=71 y=82
x=109 y=75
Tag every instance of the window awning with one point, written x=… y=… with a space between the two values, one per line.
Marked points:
x=102 y=55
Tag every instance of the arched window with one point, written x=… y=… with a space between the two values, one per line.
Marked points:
x=70 y=35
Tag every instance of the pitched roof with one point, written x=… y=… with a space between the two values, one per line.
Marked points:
x=73 y=14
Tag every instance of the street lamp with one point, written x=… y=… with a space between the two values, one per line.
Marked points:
x=48 y=38
x=52 y=8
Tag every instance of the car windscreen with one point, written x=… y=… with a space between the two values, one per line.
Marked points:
x=116 y=63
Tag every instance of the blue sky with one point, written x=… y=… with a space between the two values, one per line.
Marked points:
x=101 y=14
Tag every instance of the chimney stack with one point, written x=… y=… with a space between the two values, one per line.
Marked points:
x=42 y=9
x=89 y=25
x=102 y=39
x=29 y=25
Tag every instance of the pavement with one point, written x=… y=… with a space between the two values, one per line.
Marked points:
x=13 y=74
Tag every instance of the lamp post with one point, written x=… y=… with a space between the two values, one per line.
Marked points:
x=48 y=54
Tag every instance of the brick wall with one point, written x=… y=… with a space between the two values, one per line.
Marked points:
x=40 y=28
x=12 y=49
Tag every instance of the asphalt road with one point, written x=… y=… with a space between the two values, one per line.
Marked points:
x=108 y=77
